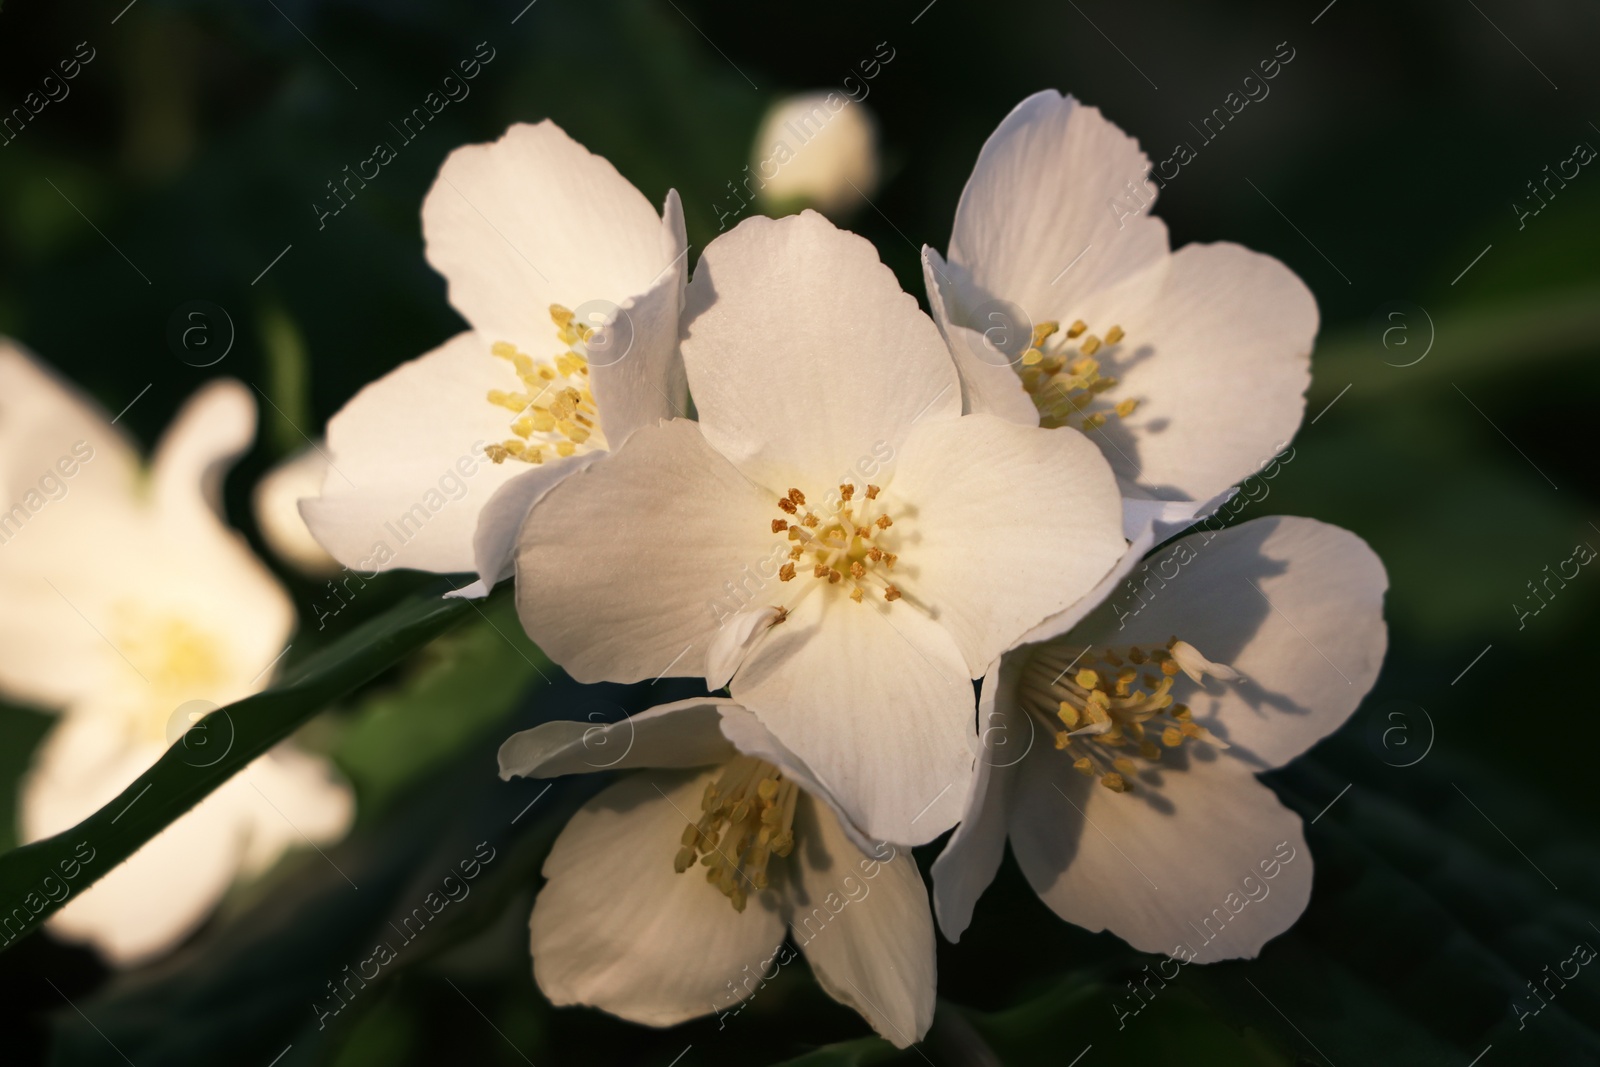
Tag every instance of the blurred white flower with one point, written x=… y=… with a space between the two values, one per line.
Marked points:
x=626 y=921
x=1188 y=369
x=832 y=534
x=1121 y=763
x=276 y=502
x=130 y=607
x=571 y=284
x=816 y=150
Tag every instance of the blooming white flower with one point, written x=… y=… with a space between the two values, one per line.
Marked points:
x=1063 y=306
x=627 y=923
x=833 y=534
x=547 y=249
x=1121 y=762
x=131 y=608
x=276 y=502
x=816 y=150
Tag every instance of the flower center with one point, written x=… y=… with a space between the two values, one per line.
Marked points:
x=748 y=819
x=1090 y=701
x=181 y=662
x=849 y=550
x=555 y=411
x=1064 y=378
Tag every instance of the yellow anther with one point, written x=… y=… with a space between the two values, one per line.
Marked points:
x=810 y=520
x=565 y=448
x=560 y=315
x=1114 y=335
x=1042 y=331
x=503 y=349
x=1031 y=357
x=847 y=491
x=834 y=577
x=872 y=492
x=1115 y=783
x=855 y=594
x=1077 y=328
x=780 y=525
x=858 y=570
x=1068 y=714
x=787 y=505
x=891 y=593
x=1087 y=678
x=796 y=496
x=786 y=572
x=884 y=522
x=1090 y=346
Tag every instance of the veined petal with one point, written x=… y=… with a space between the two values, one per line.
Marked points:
x=804 y=356
x=863 y=923
x=617 y=928
x=1218 y=357
x=635 y=367
x=1015 y=523
x=985 y=350
x=1207 y=865
x=972 y=856
x=494 y=543
x=685 y=733
x=408 y=475
x=625 y=570
x=1294 y=605
x=1055 y=181
x=535 y=219
x=878 y=704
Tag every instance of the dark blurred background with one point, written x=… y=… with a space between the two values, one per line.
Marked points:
x=1389 y=167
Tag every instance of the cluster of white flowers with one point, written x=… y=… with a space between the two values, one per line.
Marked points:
x=1079 y=393
x=884 y=540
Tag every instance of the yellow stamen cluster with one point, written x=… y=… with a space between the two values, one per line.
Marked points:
x=847 y=550
x=179 y=660
x=748 y=817
x=1064 y=378
x=1093 y=704
x=555 y=413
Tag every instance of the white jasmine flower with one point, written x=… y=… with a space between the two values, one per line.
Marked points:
x=1121 y=762
x=131 y=609
x=1063 y=306
x=816 y=150
x=572 y=285
x=891 y=546
x=276 y=502
x=627 y=921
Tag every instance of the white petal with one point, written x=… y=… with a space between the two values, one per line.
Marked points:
x=681 y=734
x=625 y=570
x=1294 y=605
x=286 y=799
x=215 y=427
x=616 y=928
x=1009 y=525
x=985 y=352
x=161 y=894
x=408 y=475
x=1209 y=860
x=972 y=856
x=733 y=641
x=276 y=504
x=635 y=367
x=1046 y=190
x=752 y=738
x=535 y=219
x=42 y=418
x=876 y=700
x=494 y=543
x=805 y=358
x=1217 y=354
x=863 y=922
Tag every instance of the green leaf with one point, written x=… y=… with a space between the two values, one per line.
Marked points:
x=190 y=770
x=468 y=682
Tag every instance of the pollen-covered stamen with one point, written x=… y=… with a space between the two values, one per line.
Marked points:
x=847 y=549
x=1106 y=706
x=747 y=818
x=555 y=412
x=1064 y=378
